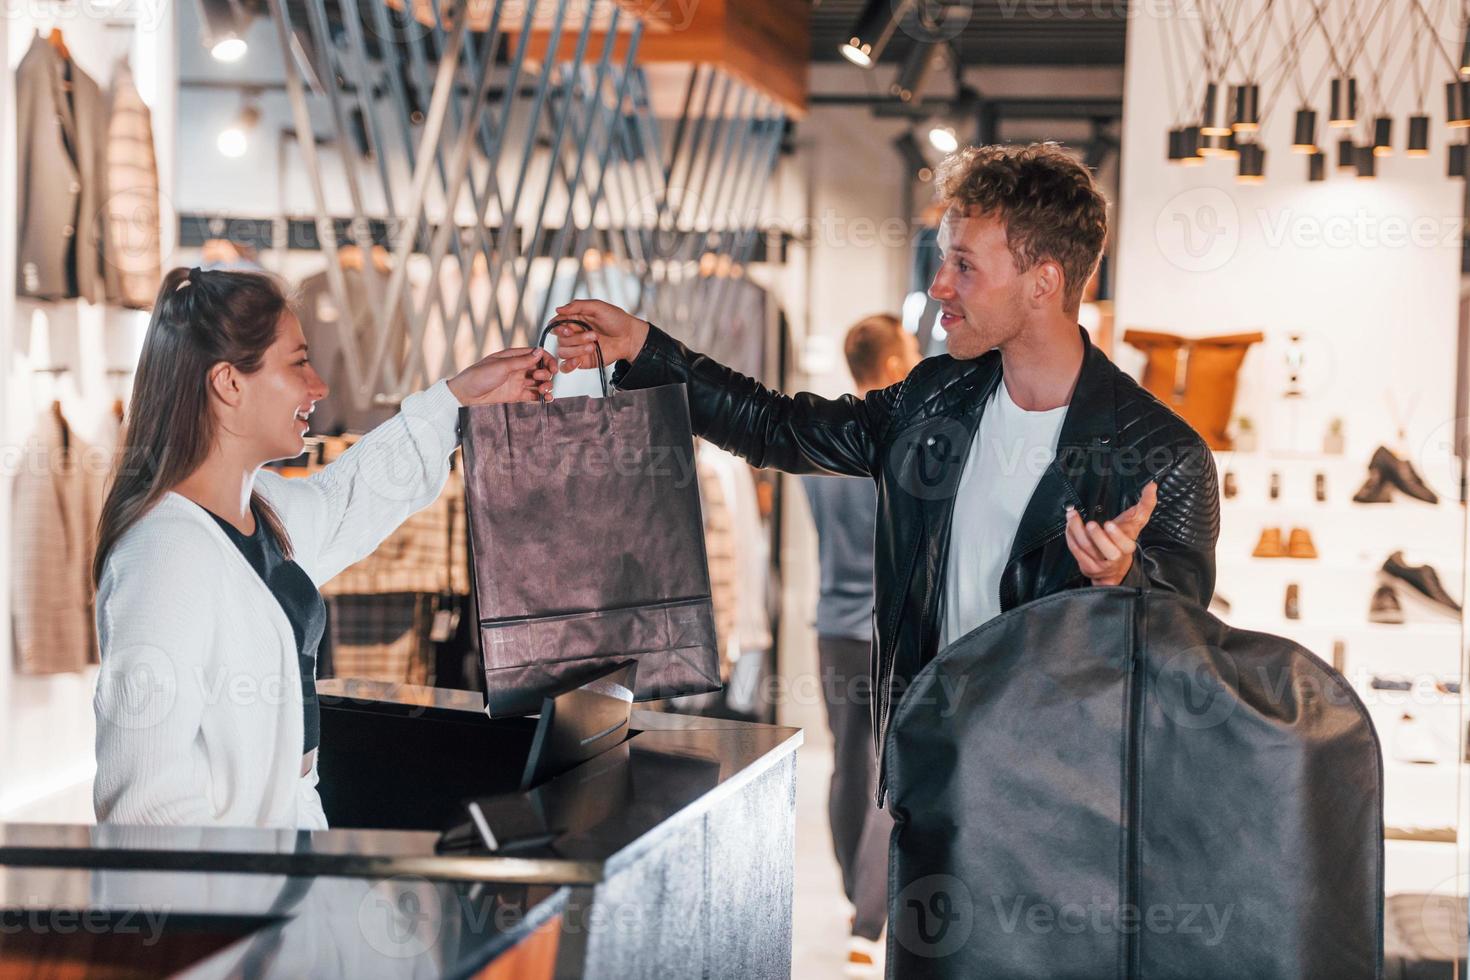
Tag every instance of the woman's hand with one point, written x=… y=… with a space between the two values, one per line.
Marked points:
x=516 y=374
x=620 y=334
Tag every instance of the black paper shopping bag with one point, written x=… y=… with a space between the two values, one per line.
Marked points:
x=587 y=545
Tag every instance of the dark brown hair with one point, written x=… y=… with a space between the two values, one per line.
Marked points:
x=869 y=342
x=1048 y=201
x=199 y=319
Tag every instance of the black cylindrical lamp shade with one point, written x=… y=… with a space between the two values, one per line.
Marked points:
x=1367 y=163
x=1247 y=115
x=1418 y=137
x=1305 y=138
x=1317 y=166
x=1252 y=169
x=1383 y=136
x=1209 y=120
x=1457 y=103
x=1176 y=145
x=1347 y=153
x=1457 y=159
x=1189 y=144
x=1344 y=103
x=872 y=30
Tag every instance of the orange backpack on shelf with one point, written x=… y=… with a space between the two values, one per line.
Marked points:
x=1195 y=376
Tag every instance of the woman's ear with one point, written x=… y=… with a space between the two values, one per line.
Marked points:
x=224 y=383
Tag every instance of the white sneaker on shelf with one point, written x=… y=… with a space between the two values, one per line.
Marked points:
x=1414 y=742
x=865 y=958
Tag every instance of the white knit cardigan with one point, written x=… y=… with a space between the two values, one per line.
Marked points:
x=198 y=699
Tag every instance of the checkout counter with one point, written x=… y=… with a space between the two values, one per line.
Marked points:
x=668 y=855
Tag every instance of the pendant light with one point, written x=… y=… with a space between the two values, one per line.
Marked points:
x=1252 y=169
x=1383 y=136
x=1317 y=166
x=1367 y=162
x=1347 y=153
x=1209 y=120
x=1189 y=147
x=1247 y=114
x=1344 y=103
x=1457 y=159
x=1418 y=137
x=1305 y=138
x=1457 y=103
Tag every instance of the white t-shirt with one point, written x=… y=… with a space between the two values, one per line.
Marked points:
x=1012 y=449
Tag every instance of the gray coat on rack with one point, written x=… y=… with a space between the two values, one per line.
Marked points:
x=62 y=177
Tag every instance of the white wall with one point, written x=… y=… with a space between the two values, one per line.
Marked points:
x=46 y=729
x=1368 y=273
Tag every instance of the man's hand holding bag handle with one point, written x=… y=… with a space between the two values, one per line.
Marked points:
x=554 y=610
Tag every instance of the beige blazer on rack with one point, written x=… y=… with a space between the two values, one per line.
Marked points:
x=55 y=505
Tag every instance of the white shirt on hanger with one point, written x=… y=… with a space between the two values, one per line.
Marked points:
x=1011 y=451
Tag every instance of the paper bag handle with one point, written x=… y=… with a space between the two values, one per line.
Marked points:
x=601 y=368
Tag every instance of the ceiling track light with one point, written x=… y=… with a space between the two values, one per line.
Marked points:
x=943 y=138
x=234 y=140
x=224 y=23
x=872 y=31
x=924 y=61
x=1418 y=137
x=1304 y=139
x=914 y=161
x=1344 y=103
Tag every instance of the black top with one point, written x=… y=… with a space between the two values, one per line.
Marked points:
x=303 y=606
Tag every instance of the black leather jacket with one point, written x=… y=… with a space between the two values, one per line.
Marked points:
x=913 y=439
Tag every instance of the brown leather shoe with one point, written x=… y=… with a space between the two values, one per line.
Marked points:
x=1300 y=545
x=1270 y=544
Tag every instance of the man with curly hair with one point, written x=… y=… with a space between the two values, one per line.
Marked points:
x=1020 y=464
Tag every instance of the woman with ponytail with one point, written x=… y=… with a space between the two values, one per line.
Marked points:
x=207 y=564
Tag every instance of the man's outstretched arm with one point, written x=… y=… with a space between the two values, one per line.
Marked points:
x=799 y=434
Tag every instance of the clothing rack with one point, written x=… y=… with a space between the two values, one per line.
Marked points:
x=303 y=234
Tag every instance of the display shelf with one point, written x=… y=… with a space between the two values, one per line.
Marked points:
x=1421 y=867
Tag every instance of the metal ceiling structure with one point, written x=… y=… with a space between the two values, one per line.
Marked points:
x=993 y=32
x=519 y=180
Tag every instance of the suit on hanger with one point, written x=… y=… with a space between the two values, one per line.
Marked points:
x=133 y=267
x=56 y=503
x=62 y=183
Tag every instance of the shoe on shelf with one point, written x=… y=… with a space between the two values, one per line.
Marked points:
x=1423 y=582
x=1401 y=473
x=1385 y=608
x=1293 y=601
x=1321 y=484
x=1275 y=486
x=1231 y=486
x=1299 y=544
x=865 y=958
x=1375 y=490
x=1219 y=605
x=1269 y=545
